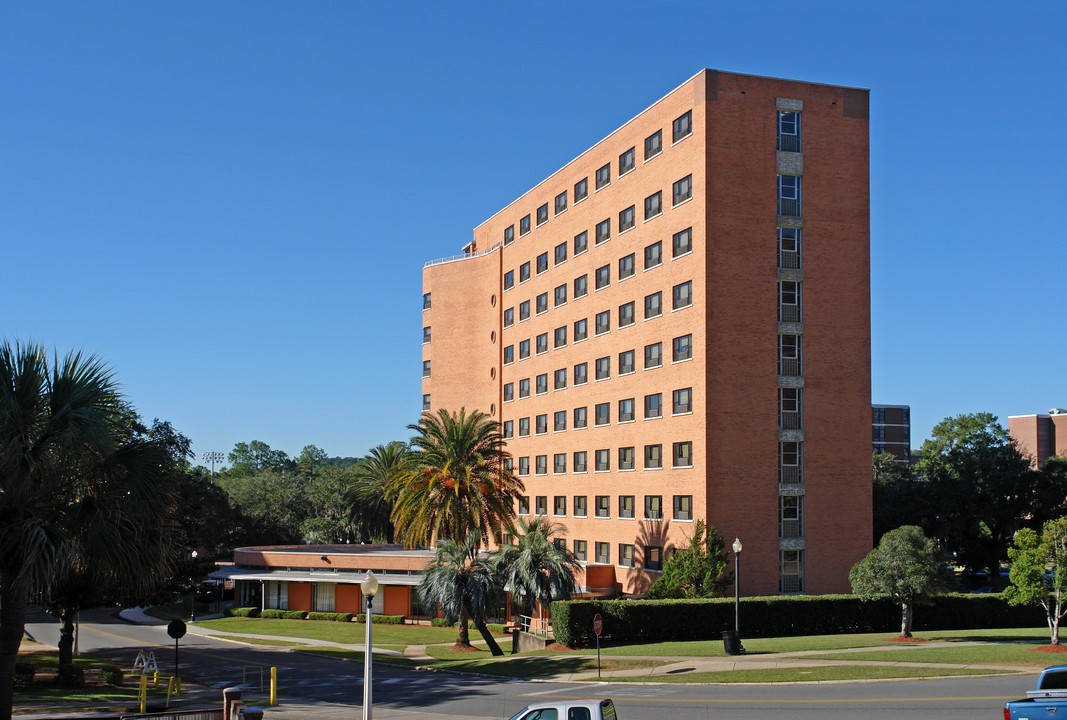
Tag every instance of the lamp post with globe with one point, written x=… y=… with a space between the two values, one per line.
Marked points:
x=369 y=587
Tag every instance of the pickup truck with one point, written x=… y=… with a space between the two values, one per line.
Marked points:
x=577 y=710
x=1047 y=702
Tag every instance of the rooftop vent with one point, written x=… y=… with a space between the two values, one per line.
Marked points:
x=1057 y=411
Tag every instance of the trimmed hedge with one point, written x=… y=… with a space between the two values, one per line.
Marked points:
x=24 y=673
x=656 y=620
x=382 y=619
x=242 y=612
x=284 y=614
x=70 y=676
x=111 y=675
x=331 y=616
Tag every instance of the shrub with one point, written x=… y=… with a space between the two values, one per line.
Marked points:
x=70 y=676
x=242 y=612
x=111 y=675
x=332 y=616
x=284 y=614
x=382 y=619
x=24 y=673
x=441 y=622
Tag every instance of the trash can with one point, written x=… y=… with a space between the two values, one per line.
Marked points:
x=731 y=642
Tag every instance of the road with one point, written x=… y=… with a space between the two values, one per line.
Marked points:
x=309 y=685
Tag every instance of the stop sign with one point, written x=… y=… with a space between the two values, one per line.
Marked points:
x=176 y=629
x=598 y=624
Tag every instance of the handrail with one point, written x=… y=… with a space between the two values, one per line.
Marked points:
x=464 y=256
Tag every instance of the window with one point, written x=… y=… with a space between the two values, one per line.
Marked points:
x=683 y=454
x=524 y=465
x=683 y=295
x=653 y=205
x=603 y=231
x=790 y=516
x=683 y=348
x=559 y=505
x=626 y=410
x=541 y=504
x=542 y=343
x=789 y=470
x=603 y=276
x=426 y=334
x=626 y=458
x=683 y=507
x=626 y=314
x=524 y=505
x=653 y=255
x=524 y=388
x=653 y=305
x=603 y=368
x=509 y=354
x=603 y=414
x=524 y=349
x=603 y=322
x=581 y=190
x=542 y=383
x=509 y=429
x=524 y=310
x=581 y=373
x=626 y=161
x=789 y=400
x=653 y=355
x=542 y=263
x=683 y=126
x=581 y=508
x=524 y=225
x=581 y=242
x=509 y=234
x=560 y=253
x=542 y=214
x=653 y=457
x=559 y=421
x=580 y=419
x=579 y=461
x=426 y=402
x=626 y=362
x=653 y=144
x=654 y=558
x=560 y=295
x=789 y=350
x=653 y=406
x=603 y=506
x=509 y=279
x=683 y=401
x=561 y=202
x=509 y=317
x=788 y=131
x=426 y=368
x=603 y=461
x=788 y=301
x=626 y=266
x=541 y=465
x=792 y=571
x=653 y=507
x=683 y=190
x=603 y=176
x=789 y=248
x=626 y=506
x=683 y=242
x=509 y=392
x=426 y=301
x=581 y=329
x=559 y=338
x=524 y=427
x=626 y=219
x=603 y=552
x=581 y=286
x=524 y=272
x=580 y=545
x=542 y=303
x=626 y=555
x=788 y=195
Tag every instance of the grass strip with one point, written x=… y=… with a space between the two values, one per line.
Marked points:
x=260 y=641
x=345 y=633
x=822 y=673
x=523 y=666
x=999 y=654
x=358 y=655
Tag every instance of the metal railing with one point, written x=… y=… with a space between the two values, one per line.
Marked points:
x=790 y=475
x=789 y=206
x=792 y=584
x=789 y=259
x=463 y=256
x=535 y=625
x=788 y=313
x=790 y=528
x=791 y=421
x=788 y=143
x=789 y=367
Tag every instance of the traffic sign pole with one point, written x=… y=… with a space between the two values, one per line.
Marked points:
x=598 y=625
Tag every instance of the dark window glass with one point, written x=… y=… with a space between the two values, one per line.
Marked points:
x=581 y=373
x=560 y=295
x=653 y=255
x=683 y=126
x=581 y=189
x=541 y=424
x=542 y=383
x=509 y=234
x=626 y=266
x=626 y=411
x=581 y=329
x=626 y=510
x=603 y=176
x=603 y=322
x=683 y=295
x=559 y=419
x=683 y=189
x=603 y=276
x=626 y=219
x=524 y=349
x=603 y=414
x=581 y=242
x=653 y=305
x=603 y=231
x=626 y=314
x=653 y=205
x=653 y=406
x=603 y=549
x=626 y=161
x=561 y=202
x=581 y=286
x=788 y=195
x=581 y=419
x=559 y=338
x=542 y=214
x=580 y=510
x=509 y=392
x=524 y=388
x=683 y=401
x=601 y=460
x=426 y=368
x=509 y=317
x=654 y=144
x=524 y=225
x=579 y=462
x=509 y=279
x=683 y=507
x=509 y=354
x=561 y=252
x=603 y=509
x=626 y=458
x=683 y=454
x=524 y=272
x=426 y=335
x=524 y=429
x=653 y=457
x=426 y=301
x=683 y=347
x=626 y=362
x=542 y=303
x=426 y=402
x=542 y=263
x=683 y=242
x=603 y=368
x=524 y=310
x=653 y=507
x=653 y=355
x=559 y=380
x=789 y=131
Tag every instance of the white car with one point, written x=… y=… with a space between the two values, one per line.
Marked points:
x=577 y=710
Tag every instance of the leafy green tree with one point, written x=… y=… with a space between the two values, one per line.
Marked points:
x=905 y=566
x=536 y=569
x=697 y=571
x=311 y=461
x=1039 y=572
x=329 y=520
x=458 y=485
x=460 y=583
x=256 y=457
x=274 y=507
x=370 y=497
x=895 y=494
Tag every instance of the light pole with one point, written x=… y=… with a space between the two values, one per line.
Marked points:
x=213 y=457
x=369 y=587
x=737 y=586
x=192 y=587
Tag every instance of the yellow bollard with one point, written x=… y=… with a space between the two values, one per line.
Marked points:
x=142 y=693
x=155 y=678
x=273 y=686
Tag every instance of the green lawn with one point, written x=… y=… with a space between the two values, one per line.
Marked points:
x=358 y=655
x=345 y=633
x=814 y=674
x=999 y=654
x=525 y=666
x=261 y=641
x=44 y=689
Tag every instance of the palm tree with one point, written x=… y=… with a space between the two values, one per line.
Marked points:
x=536 y=569
x=369 y=498
x=461 y=584
x=458 y=484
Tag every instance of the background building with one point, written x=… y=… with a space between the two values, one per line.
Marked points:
x=676 y=326
x=891 y=431
x=1038 y=436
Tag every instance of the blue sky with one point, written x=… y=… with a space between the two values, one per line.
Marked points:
x=231 y=203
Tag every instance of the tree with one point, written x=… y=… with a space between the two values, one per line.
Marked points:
x=905 y=566
x=462 y=585
x=1039 y=572
x=370 y=497
x=256 y=457
x=697 y=571
x=894 y=497
x=536 y=569
x=458 y=485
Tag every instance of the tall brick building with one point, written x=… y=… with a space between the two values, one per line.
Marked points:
x=676 y=326
x=1041 y=436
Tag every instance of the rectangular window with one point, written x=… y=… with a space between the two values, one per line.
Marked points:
x=524 y=349
x=626 y=506
x=561 y=202
x=653 y=255
x=524 y=427
x=627 y=219
x=581 y=373
x=683 y=401
x=524 y=465
x=524 y=505
x=683 y=507
x=683 y=126
x=603 y=461
x=788 y=301
x=603 y=506
x=789 y=248
x=683 y=242
x=789 y=404
x=542 y=214
x=603 y=413
x=509 y=234
x=509 y=354
x=559 y=337
x=653 y=507
x=789 y=195
x=603 y=552
x=541 y=504
x=789 y=355
x=560 y=295
x=581 y=286
x=560 y=253
x=626 y=362
x=603 y=368
x=788 y=131
x=321 y=597
x=790 y=516
x=542 y=303
x=581 y=242
x=603 y=322
x=683 y=454
x=683 y=348
x=426 y=402
x=626 y=266
x=626 y=162
x=579 y=461
x=626 y=458
x=653 y=406
x=542 y=383
x=683 y=295
x=509 y=279
x=524 y=225
x=653 y=144
x=581 y=189
x=559 y=505
x=509 y=317
x=581 y=508
x=542 y=343
x=603 y=276
x=603 y=231
x=653 y=457
x=581 y=329
x=559 y=420
x=653 y=355
x=683 y=190
x=653 y=305
x=524 y=310
x=524 y=271
x=626 y=314
x=426 y=334
x=524 y=388
x=509 y=429
x=580 y=418
x=653 y=205
x=541 y=465
x=792 y=571
x=626 y=410
x=580 y=548
x=426 y=368
x=603 y=176
x=542 y=263
x=654 y=558
x=426 y=301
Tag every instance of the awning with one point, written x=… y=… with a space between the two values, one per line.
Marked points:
x=340 y=578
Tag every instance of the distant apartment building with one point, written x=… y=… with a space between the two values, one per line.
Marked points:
x=675 y=326
x=1041 y=436
x=891 y=431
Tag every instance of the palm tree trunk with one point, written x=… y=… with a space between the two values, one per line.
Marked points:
x=494 y=648
x=12 y=625
x=66 y=637
x=463 y=639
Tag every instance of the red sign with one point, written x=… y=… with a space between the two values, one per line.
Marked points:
x=598 y=623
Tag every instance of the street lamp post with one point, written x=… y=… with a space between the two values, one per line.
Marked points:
x=369 y=587
x=737 y=586
x=192 y=596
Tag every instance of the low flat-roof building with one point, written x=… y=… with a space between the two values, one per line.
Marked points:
x=1037 y=434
